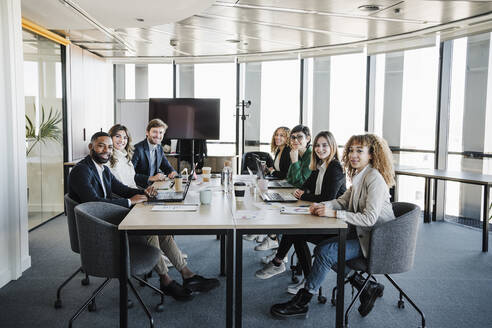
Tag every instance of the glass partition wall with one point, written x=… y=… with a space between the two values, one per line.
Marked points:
x=44 y=127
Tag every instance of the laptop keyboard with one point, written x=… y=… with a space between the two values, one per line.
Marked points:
x=275 y=196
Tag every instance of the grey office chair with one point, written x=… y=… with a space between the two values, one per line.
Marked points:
x=100 y=251
x=392 y=250
x=74 y=244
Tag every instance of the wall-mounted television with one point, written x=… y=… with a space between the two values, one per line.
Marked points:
x=188 y=118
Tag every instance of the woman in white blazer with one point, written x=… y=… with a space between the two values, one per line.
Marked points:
x=368 y=162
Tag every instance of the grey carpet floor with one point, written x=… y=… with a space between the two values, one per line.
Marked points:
x=451 y=282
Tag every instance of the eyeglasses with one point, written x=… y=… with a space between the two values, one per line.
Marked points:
x=299 y=137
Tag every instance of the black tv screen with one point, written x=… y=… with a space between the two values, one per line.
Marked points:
x=188 y=118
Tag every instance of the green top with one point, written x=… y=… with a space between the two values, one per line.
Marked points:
x=300 y=171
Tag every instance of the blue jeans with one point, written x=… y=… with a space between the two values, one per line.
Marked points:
x=325 y=257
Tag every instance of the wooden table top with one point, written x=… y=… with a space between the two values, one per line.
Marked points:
x=224 y=212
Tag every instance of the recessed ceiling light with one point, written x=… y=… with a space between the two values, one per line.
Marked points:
x=233 y=41
x=369 y=7
x=140 y=19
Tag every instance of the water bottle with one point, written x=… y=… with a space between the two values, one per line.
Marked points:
x=226 y=177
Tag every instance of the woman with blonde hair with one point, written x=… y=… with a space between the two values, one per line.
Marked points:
x=326 y=182
x=122 y=168
x=368 y=162
x=280 y=148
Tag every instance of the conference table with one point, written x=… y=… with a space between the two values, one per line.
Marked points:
x=458 y=176
x=225 y=216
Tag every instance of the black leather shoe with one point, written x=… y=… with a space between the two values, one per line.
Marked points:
x=200 y=284
x=176 y=291
x=369 y=296
x=296 y=307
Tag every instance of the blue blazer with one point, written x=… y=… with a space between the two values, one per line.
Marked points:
x=141 y=163
x=84 y=185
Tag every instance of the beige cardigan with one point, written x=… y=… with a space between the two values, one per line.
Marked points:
x=370 y=206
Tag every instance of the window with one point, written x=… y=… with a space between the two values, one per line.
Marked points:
x=160 y=80
x=218 y=81
x=347 y=96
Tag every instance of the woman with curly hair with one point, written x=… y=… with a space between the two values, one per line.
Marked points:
x=281 y=150
x=368 y=162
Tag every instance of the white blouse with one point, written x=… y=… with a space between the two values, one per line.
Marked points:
x=123 y=169
x=319 y=179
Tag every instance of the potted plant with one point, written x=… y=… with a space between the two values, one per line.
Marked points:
x=48 y=129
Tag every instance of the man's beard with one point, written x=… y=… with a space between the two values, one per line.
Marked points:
x=98 y=158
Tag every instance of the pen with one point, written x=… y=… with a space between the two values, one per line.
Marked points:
x=304 y=205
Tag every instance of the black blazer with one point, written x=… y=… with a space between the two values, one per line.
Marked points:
x=284 y=163
x=141 y=163
x=84 y=185
x=333 y=184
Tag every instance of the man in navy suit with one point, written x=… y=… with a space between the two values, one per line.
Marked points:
x=148 y=159
x=91 y=181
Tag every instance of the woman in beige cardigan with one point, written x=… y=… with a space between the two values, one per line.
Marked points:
x=368 y=162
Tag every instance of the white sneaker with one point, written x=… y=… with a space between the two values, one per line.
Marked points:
x=267 y=259
x=270 y=270
x=260 y=238
x=167 y=262
x=294 y=288
x=250 y=237
x=266 y=244
x=184 y=255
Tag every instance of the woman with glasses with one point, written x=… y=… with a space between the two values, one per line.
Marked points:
x=300 y=155
x=281 y=151
x=299 y=171
x=326 y=182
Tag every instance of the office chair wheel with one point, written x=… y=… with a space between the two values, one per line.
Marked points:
x=295 y=280
x=322 y=299
x=333 y=301
x=159 y=308
x=92 y=307
x=85 y=281
x=401 y=304
x=58 y=304
x=129 y=304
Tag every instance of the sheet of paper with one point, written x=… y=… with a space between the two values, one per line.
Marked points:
x=294 y=210
x=245 y=214
x=175 y=208
x=268 y=206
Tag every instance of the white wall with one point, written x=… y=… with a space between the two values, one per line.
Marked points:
x=14 y=250
x=90 y=98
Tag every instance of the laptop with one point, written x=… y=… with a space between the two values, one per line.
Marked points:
x=272 y=196
x=276 y=184
x=172 y=196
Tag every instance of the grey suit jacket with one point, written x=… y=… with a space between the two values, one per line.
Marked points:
x=369 y=207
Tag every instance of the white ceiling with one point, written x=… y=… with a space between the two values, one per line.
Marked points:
x=196 y=28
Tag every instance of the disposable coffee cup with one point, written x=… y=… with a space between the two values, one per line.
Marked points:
x=205 y=196
x=178 y=183
x=239 y=190
x=206 y=170
x=206 y=177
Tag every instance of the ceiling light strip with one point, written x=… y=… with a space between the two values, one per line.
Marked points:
x=290 y=27
x=110 y=33
x=35 y=28
x=321 y=13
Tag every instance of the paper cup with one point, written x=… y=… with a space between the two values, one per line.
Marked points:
x=205 y=196
x=206 y=177
x=206 y=170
